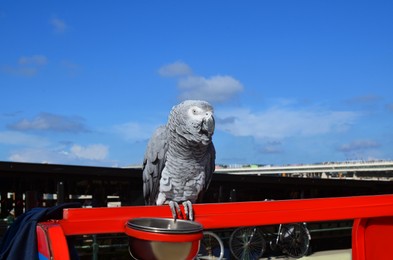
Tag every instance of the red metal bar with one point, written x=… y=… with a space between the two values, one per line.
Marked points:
x=372 y=238
x=372 y=232
x=224 y=215
x=358 y=239
x=51 y=241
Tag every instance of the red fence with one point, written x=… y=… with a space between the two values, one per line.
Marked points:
x=372 y=232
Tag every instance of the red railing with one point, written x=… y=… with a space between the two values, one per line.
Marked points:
x=372 y=233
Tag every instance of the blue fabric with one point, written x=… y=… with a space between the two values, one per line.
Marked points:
x=42 y=257
x=20 y=240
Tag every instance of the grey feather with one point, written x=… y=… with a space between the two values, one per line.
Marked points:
x=153 y=164
x=180 y=156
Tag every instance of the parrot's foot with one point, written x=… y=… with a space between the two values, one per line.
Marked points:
x=175 y=210
x=188 y=210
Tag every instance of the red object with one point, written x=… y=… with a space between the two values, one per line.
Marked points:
x=52 y=243
x=372 y=238
x=163 y=237
x=373 y=218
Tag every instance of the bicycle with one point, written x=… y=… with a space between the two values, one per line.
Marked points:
x=292 y=239
x=247 y=243
x=211 y=247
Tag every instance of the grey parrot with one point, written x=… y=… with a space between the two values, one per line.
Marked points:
x=180 y=157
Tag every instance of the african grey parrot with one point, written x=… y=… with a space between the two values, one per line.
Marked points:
x=180 y=157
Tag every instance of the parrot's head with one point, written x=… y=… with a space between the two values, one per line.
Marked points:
x=194 y=120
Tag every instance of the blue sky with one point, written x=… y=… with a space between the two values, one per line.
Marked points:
x=87 y=82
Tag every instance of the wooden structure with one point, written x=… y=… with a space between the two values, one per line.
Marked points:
x=27 y=185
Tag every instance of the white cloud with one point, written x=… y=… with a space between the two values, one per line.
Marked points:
x=38 y=60
x=59 y=26
x=213 y=89
x=19 y=71
x=271 y=147
x=37 y=155
x=359 y=145
x=175 y=69
x=278 y=123
x=133 y=131
x=217 y=88
x=95 y=152
x=72 y=68
x=17 y=138
x=361 y=150
x=27 y=66
x=76 y=154
x=50 y=122
x=389 y=107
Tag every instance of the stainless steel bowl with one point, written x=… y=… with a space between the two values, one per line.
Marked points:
x=165 y=225
x=162 y=239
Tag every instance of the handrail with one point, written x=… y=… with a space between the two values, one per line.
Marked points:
x=225 y=215
x=372 y=231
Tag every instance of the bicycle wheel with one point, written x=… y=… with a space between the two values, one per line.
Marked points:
x=247 y=243
x=211 y=246
x=294 y=240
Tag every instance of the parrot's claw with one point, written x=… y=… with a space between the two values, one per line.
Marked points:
x=188 y=210
x=175 y=209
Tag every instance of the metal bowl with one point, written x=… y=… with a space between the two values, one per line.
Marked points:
x=161 y=238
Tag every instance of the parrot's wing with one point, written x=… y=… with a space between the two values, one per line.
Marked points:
x=153 y=164
x=210 y=165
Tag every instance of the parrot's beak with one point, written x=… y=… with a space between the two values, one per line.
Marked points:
x=208 y=125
